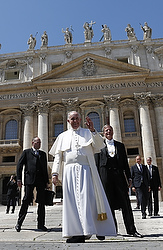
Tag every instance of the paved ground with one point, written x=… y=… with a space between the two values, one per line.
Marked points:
x=31 y=238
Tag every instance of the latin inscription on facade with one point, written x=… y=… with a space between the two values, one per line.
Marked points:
x=80 y=89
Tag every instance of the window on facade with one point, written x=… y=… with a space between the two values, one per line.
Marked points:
x=94 y=116
x=129 y=125
x=11 y=131
x=132 y=151
x=8 y=159
x=54 y=66
x=58 y=128
x=125 y=60
x=11 y=75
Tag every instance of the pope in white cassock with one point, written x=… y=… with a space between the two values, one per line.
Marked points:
x=86 y=210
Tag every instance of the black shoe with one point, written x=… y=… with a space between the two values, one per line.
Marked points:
x=18 y=228
x=144 y=216
x=100 y=237
x=76 y=239
x=138 y=235
x=42 y=228
x=156 y=215
x=149 y=214
x=87 y=237
x=137 y=208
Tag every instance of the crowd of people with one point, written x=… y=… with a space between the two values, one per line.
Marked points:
x=96 y=181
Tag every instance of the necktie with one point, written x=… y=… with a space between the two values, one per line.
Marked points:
x=36 y=152
x=140 y=167
x=150 y=170
x=141 y=170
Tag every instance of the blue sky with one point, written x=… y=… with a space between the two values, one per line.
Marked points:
x=20 y=18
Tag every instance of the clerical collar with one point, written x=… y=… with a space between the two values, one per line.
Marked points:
x=76 y=129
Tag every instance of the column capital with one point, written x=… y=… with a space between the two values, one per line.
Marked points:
x=112 y=100
x=157 y=100
x=29 y=59
x=142 y=98
x=42 y=105
x=70 y=103
x=108 y=51
x=27 y=109
x=68 y=54
x=149 y=49
x=43 y=56
x=134 y=48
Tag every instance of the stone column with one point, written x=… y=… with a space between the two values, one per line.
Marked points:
x=158 y=107
x=112 y=102
x=134 y=57
x=43 y=63
x=151 y=58
x=29 y=68
x=28 y=132
x=43 y=108
x=146 y=127
x=103 y=115
x=28 y=125
x=83 y=116
x=71 y=104
x=68 y=55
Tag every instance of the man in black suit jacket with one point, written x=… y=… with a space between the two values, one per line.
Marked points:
x=141 y=184
x=11 y=194
x=155 y=186
x=115 y=175
x=35 y=175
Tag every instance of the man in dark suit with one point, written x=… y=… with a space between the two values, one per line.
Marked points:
x=141 y=184
x=115 y=175
x=11 y=194
x=35 y=175
x=155 y=186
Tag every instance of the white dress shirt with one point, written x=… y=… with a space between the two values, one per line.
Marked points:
x=139 y=167
x=110 y=147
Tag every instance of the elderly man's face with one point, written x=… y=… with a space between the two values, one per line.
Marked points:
x=74 y=120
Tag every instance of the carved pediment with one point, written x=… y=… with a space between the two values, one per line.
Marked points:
x=90 y=66
x=57 y=108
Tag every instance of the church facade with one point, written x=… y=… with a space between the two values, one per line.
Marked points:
x=115 y=82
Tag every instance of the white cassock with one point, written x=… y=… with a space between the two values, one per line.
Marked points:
x=86 y=210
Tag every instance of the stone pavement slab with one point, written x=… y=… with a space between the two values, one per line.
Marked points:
x=31 y=237
x=92 y=245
